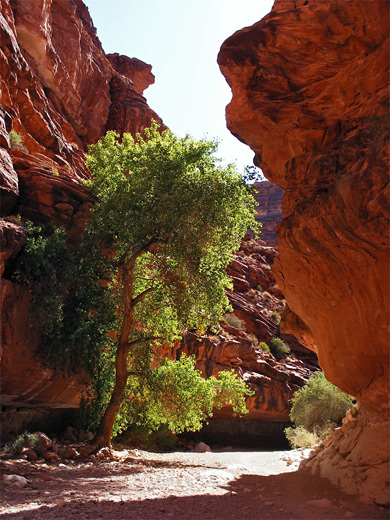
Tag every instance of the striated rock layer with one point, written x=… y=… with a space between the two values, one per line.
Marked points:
x=310 y=97
x=269 y=210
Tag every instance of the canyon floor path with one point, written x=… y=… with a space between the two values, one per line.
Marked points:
x=141 y=485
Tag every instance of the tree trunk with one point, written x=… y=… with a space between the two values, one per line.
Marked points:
x=104 y=432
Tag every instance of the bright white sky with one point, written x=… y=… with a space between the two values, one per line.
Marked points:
x=181 y=40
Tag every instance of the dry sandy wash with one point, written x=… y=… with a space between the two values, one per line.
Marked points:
x=141 y=485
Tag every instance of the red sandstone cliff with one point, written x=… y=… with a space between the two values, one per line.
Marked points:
x=310 y=97
x=269 y=210
x=59 y=93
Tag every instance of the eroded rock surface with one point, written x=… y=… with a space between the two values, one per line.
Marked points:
x=310 y=97
x=269 y=210
x=59 y=93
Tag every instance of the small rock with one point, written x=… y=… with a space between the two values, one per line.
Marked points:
x=30 y=454
x=70 y=453
x=348 y=514
x=201 y=447
x=269 y=503
x=321 y=502
x=60 y=502
x=16 y=480
x=247 y=490
x=104 y=453
x=49 y=455
x=87 y=450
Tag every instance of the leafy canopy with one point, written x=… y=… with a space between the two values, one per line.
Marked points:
x=168 y=198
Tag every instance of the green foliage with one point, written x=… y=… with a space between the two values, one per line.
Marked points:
x=276 y=316
x=177 y=396
x=319 y=403
x=264 y=347
x=234 y=321
x=73 y=309
x=170 y=193
x=70 y=306
x=301 y=438
x=15 y=139
x=26 y=440
x=171 y=219
x=17 y=446
x=279 y=349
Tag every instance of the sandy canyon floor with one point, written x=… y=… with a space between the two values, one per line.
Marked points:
x=141 y=485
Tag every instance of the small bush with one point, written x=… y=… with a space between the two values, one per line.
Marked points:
x=234 y=321
x=26 y=440
x=279 y=349
x=15 y=139
x=276 y=316
x=17 y=446
x=264 y=347
x=318 y=404
x=300 y=438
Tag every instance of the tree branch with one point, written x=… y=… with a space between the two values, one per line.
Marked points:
x=141 y=296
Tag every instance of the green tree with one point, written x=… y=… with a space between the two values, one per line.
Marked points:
x=168 y=217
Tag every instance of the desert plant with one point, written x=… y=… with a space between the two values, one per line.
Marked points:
x=276 y=316
x=300 y=438
x=264 y=347
x=15 y=140
x=318 y=408
x=318 y=404
x=279 y=349
x=234 y=321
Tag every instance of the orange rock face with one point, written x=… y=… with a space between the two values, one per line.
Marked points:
x=59 y=93
x=269 y=210
x=310 y=97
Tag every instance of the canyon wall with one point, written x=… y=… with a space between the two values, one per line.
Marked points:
x=59 y=93
x=310 y=97
x=269 y=210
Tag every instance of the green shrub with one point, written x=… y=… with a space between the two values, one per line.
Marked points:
x=17 y=446
x=264 y=347
x=15 y=140
x=318 y=404
x=300 y=438
x=279 y=349
x=26 y=440
x=234 y=321
x=276 y=316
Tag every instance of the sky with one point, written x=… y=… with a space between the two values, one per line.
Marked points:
x=181 y=40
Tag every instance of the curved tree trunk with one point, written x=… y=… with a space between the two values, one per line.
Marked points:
x=104 y=431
